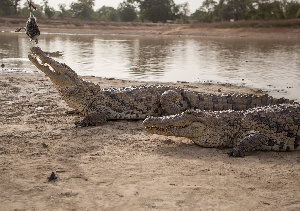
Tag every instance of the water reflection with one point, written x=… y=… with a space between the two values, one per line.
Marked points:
x=263 y=63
x=148 y=57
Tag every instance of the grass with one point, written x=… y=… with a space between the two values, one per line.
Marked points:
x=14 y=22
x=77 y=24
x=286 y=23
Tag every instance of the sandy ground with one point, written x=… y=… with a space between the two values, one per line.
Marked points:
x=119 y=166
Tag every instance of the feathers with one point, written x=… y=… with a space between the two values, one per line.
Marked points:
x=32 y=29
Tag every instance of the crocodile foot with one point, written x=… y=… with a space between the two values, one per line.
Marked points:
x=236 y=152
x=92 y=120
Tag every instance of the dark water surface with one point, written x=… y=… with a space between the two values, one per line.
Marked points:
x=268 y=64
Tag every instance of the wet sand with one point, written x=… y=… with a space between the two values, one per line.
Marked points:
x=119 y=166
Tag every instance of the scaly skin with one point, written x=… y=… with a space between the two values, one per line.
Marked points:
x=99 y=105
x=275 y=127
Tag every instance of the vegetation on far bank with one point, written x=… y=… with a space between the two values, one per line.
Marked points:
x=282 y=23
x=244 y=13
x=76 y=22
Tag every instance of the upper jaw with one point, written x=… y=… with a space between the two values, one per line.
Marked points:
x=47 y=66
x=43 y=62
x=36 y=52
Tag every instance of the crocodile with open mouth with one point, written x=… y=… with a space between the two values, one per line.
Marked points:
x=136 y=102
x=275 y=127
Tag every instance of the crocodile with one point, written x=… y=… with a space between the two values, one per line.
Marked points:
x=136 y=102
x=270 y=128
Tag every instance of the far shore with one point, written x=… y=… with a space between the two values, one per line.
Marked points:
x=265 y=29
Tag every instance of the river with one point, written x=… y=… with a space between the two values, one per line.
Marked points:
x=268 y=64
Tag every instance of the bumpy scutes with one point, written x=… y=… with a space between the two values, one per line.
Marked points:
x=136 y=102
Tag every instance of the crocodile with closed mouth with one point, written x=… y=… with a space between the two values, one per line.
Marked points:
x=275 y=127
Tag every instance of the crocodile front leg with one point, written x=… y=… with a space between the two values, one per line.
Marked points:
x=253 y=140
x=93 y=119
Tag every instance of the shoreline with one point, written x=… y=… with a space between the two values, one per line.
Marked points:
x=80 y=26
x=213 y=87
x=205 y=87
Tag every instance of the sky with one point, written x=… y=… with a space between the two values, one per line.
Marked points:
x=193 y=4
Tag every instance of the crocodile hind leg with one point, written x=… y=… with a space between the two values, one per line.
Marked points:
x=172 y=102
x=252 y=140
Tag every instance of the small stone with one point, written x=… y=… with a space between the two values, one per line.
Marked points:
x=52 y=177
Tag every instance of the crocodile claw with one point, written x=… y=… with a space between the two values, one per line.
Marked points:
x=237 y=153
x=81 y=124
x=94 y=119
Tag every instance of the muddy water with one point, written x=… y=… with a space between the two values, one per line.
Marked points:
x=268 y=64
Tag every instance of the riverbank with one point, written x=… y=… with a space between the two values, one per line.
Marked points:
x=119 y=166
x=263 y=29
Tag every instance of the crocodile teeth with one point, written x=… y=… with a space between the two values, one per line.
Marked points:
x=163 y=128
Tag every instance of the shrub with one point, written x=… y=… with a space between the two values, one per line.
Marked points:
x=298 y=14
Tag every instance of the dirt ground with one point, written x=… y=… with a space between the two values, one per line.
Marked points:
x=119 y=166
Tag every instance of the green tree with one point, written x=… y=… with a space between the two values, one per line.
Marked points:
x=113 y=16
x=157 y=10
x=207 y=12
x=83 y=8
x=108 y=13
x=269 y=10
x=195 y=15
x=9 y=7
x=218 y=9
x=183 y=11
x=292 y=9
x=63 y=12
x=49 y=11
x=127 y=11
x=24 y=11
x=15 y=5
x=236 y=9
x=298 y=14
